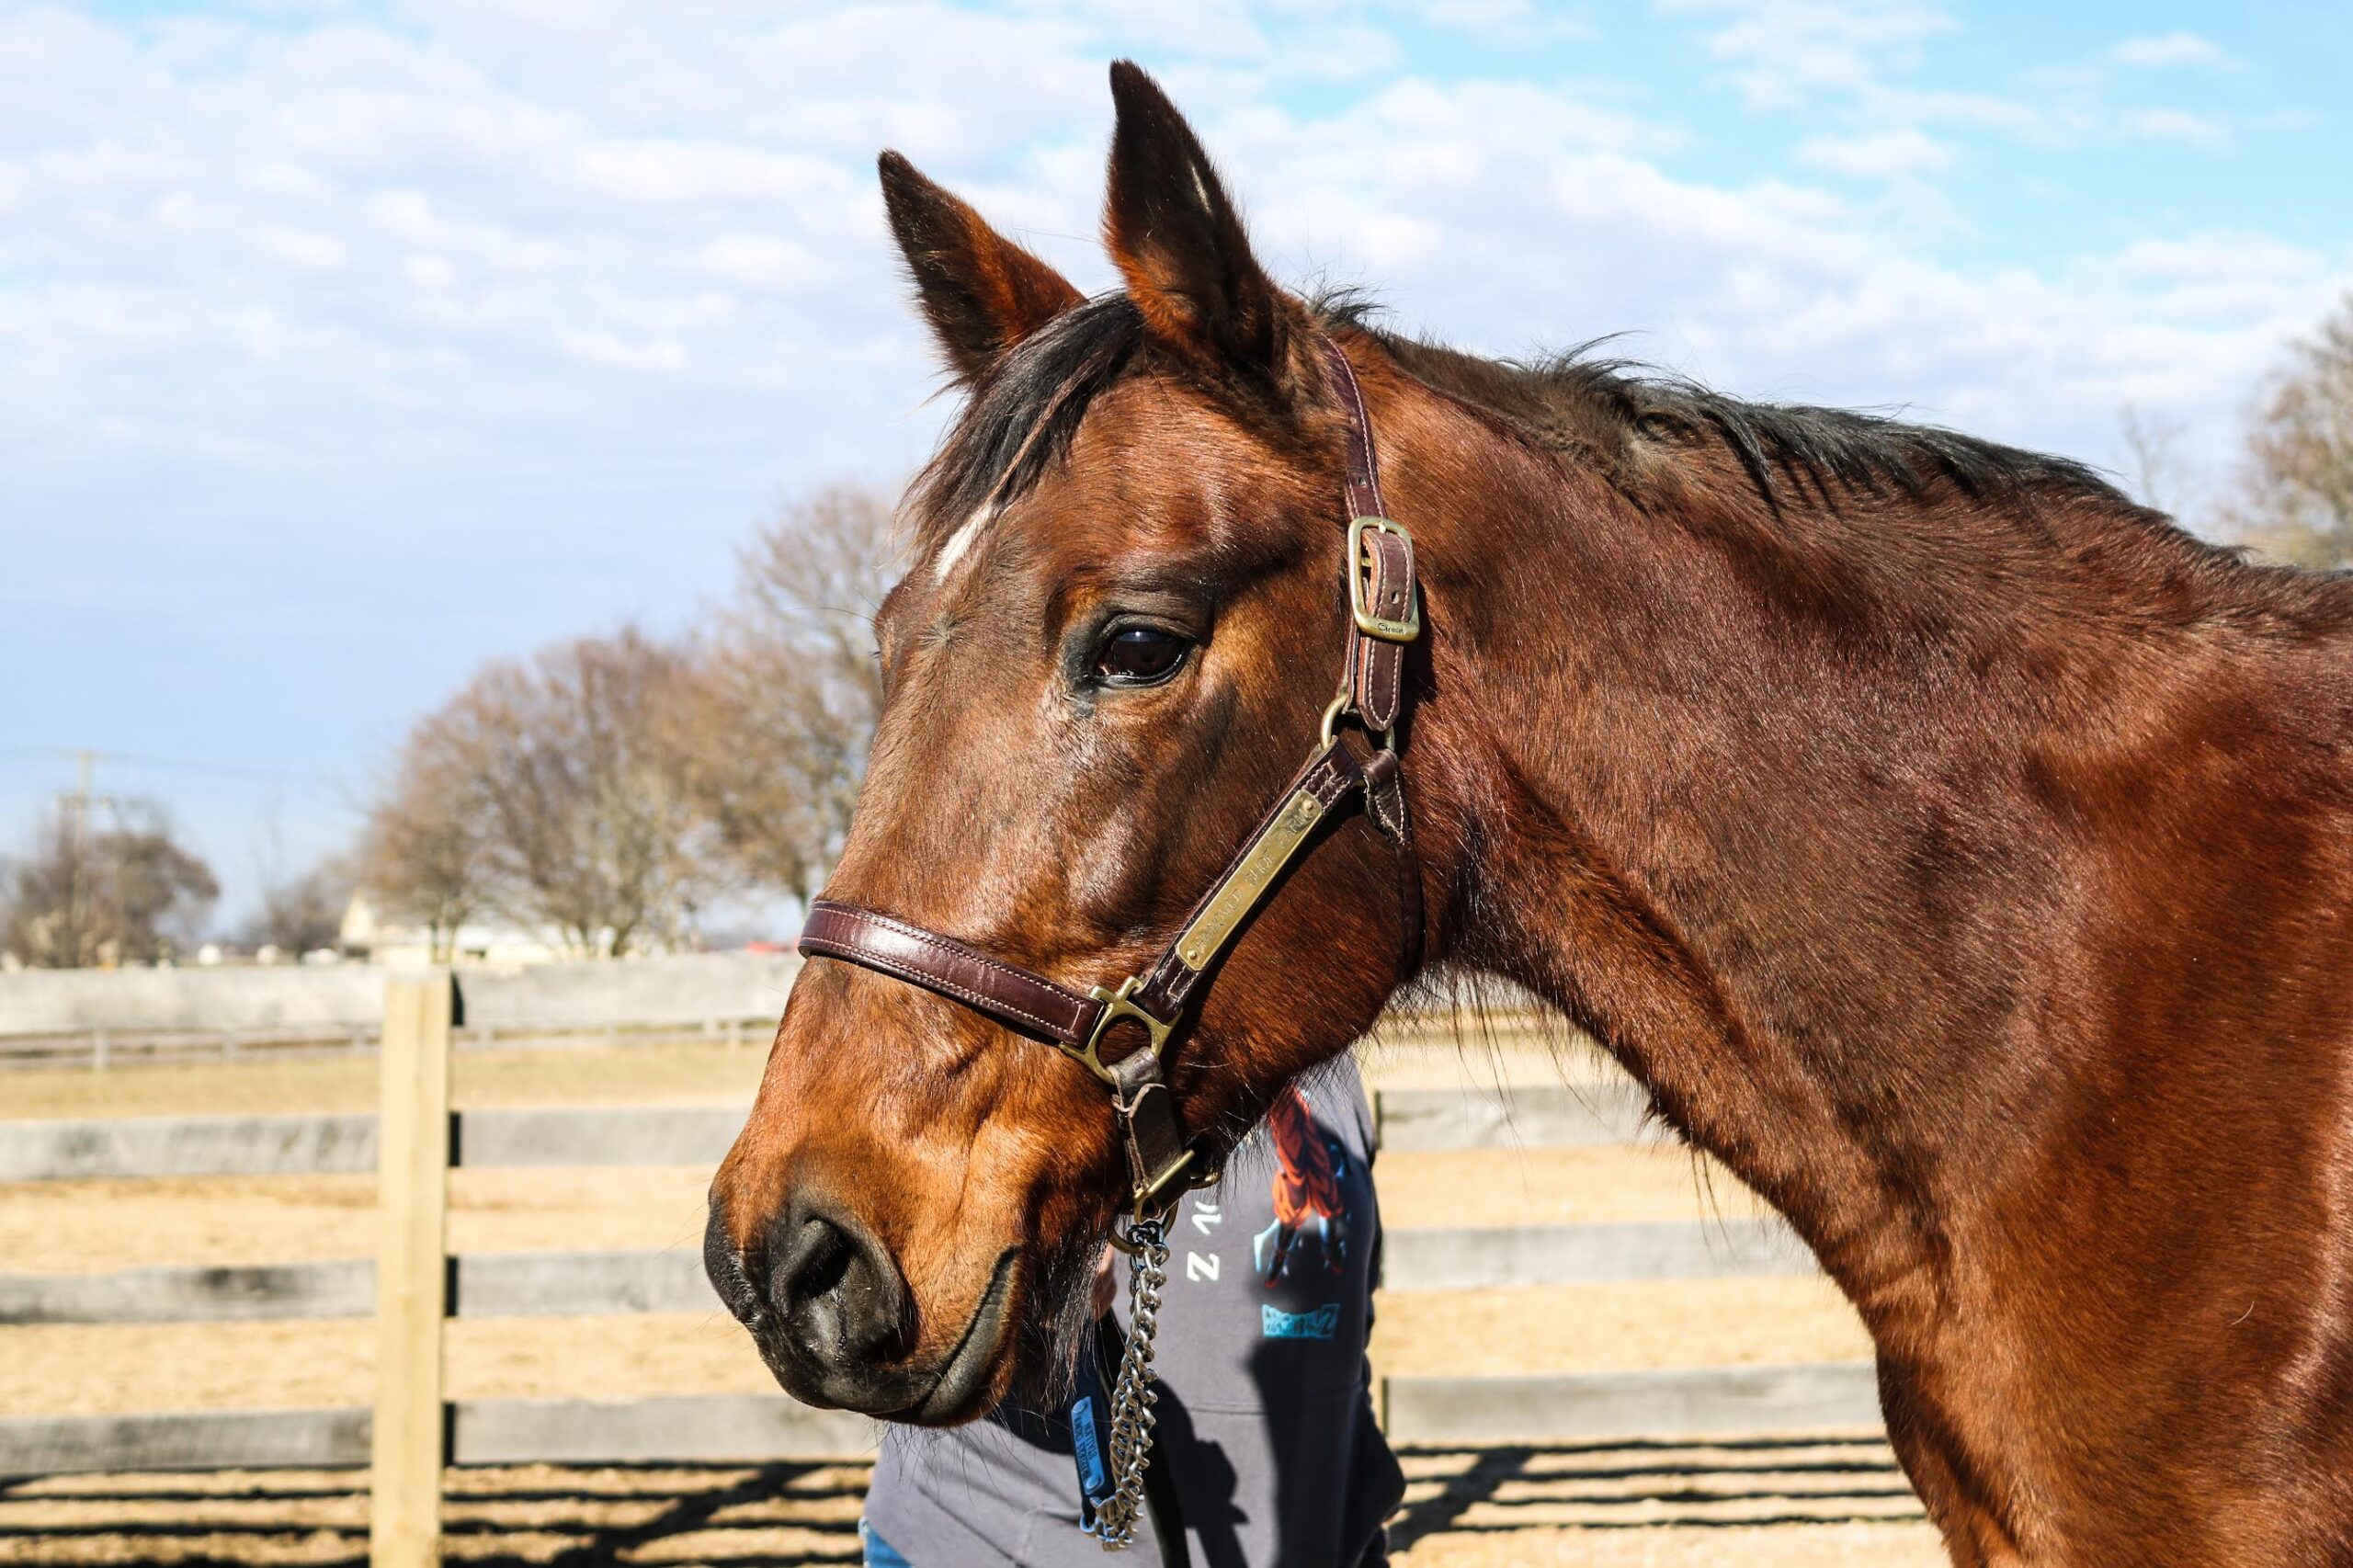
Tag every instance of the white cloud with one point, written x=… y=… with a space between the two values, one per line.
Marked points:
x=1897 y=152
x=506 y=212
x=1864 y=64
x=1506 y=18
x=2173 y=125
x=1785 y=52
x=1505 y=234
x=2169 y=50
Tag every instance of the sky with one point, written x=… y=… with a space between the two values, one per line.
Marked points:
x=344 y=347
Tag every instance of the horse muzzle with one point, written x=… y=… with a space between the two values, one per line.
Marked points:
x=836 y=1323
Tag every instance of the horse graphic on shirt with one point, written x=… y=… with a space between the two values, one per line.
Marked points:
x=1309 y=1170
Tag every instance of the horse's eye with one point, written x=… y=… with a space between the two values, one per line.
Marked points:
x=1139 y=655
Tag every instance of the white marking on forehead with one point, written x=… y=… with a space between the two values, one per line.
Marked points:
x=961 y=541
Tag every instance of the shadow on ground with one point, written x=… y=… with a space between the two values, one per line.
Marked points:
x=793 y=1516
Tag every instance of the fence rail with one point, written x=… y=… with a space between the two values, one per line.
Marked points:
x=101 y=1049
x=584 y=1284
x=1422 y=1119
x=58 y=1018
x=680 y=990
x=683 y=1429
x=752 y=1428
x=763 y=1427
x=1683 y=1401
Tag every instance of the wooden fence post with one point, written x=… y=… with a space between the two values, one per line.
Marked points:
x=411 y=1200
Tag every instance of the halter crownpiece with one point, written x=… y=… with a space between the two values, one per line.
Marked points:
x=1384 y=617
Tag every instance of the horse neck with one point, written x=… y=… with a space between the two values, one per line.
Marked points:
x=1763 y=828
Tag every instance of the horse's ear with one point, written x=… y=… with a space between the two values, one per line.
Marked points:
x=1171 y=229
x=981 y=293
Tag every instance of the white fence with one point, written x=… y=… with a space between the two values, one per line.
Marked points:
x=96 y=1016
x=413 y=1286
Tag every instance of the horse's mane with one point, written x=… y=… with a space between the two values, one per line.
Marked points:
x=1579 y=398
x=1593 y=407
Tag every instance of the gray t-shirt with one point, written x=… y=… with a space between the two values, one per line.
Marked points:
x=1265 y=1419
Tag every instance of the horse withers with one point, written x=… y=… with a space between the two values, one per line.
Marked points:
x=1960 y=853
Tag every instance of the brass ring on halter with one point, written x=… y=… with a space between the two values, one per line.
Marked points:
x=1189 y=1172
x=1341 y=706
x=1332 y=716
x=1123 y=1243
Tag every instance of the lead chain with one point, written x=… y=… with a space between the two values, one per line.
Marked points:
x=1133 y=1395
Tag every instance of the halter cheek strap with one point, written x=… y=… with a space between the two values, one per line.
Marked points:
x=1384 y=616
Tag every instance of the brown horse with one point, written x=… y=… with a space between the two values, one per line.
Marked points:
x=1960 y=853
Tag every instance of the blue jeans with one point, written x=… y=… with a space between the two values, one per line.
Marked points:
x=879 y=1554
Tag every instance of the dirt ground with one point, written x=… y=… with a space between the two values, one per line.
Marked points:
x=1838 y=1502
x=1756 y=1508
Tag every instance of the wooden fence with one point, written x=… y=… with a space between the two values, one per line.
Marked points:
x=65 y=1017
x=413 y=1286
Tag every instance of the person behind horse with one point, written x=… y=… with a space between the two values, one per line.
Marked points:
x=1266 y=1434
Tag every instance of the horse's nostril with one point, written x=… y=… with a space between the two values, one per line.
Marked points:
x=820 y=1260
x=835 y=1290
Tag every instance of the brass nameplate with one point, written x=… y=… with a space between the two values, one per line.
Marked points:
x=1207 y=936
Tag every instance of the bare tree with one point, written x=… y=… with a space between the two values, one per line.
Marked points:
x=424 y=855
x=130 y=894
x=304 y=914
x=789 y=688
x=2159 y=475
x=564 y=773
x=2295 y=491
x=613 y=787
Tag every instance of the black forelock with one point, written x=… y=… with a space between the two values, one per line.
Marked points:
x=1024 y=413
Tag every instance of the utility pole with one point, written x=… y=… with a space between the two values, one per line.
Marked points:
x=79 y=900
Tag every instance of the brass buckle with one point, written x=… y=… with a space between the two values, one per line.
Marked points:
x=1118 y=1004
x=1196 y=1176
x=1146 y=1200
x=1369 y=623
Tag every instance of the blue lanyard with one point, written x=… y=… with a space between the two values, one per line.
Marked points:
x=1090 y=1436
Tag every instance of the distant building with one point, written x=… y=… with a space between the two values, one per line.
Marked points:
x=383 y=941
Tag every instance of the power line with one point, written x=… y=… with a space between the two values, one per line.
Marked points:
x=184 y=765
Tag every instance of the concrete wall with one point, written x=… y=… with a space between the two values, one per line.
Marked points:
x=684 y=991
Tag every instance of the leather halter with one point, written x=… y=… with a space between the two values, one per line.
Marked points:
x=1384 y=617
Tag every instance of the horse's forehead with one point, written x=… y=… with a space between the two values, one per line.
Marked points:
x=1136 y=468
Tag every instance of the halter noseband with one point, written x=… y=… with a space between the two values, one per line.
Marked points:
x=1384 y=616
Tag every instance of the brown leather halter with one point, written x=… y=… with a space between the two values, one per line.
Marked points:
x=1384 y=617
